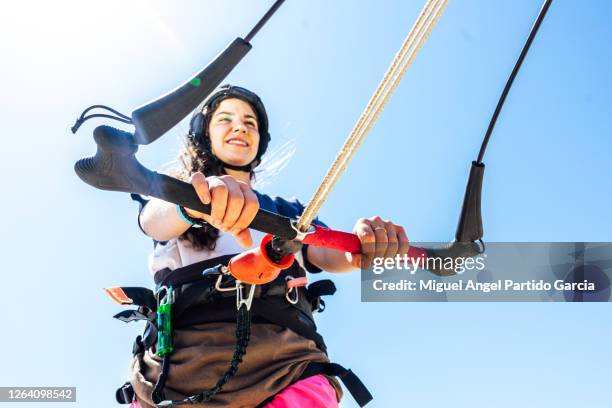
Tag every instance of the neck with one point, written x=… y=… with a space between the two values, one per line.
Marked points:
x=239 y=175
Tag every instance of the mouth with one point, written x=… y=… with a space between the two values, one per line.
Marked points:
x=237 y=142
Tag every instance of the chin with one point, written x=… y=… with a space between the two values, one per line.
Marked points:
x=237 y=161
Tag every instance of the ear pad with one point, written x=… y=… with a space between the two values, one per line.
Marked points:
x=196 y=126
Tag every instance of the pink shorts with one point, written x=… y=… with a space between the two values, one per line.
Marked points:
x=311 y=392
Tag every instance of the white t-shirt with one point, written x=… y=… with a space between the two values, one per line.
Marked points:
x=176 y=253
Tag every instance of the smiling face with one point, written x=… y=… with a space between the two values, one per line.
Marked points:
x=233 y=132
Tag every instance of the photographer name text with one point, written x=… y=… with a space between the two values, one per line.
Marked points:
x=506 y=285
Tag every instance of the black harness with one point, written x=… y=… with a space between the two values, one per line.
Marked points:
x=199 y=300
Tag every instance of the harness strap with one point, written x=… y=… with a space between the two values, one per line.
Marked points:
x=150 y=333
x=158 y=391
x=126 y=295
x=130 y=316
x=268 y=310
x=189 y=273
x=125 y=393
x=318 y=288
x=352 y=383
x=138 y=347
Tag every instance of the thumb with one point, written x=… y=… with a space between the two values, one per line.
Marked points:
x=199 y=182
x=244 y=238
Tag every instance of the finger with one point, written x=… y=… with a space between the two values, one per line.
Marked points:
x=235 y=202
x=356 y=261
x=219 y=194
x=244 y=238
x=249 y=209
x=403 y=241
x=198 y=180
x=381 y=240
x=380 y=232
x=392 y=240
x=366 y=235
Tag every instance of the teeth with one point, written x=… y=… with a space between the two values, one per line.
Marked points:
x=237 y=142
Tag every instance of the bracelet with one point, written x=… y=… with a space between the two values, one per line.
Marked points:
x=187 y=219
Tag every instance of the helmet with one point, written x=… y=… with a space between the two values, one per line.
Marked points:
x=198 y=125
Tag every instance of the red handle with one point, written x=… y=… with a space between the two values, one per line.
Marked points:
x=329 y=238
x=344 y=241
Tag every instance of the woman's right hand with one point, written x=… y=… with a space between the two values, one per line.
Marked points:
x=233 y=204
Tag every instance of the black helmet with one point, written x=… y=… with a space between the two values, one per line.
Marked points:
x=198 y=126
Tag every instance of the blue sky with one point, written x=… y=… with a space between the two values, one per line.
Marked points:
x=315 y=65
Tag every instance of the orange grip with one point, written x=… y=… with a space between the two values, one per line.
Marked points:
x=254 y=266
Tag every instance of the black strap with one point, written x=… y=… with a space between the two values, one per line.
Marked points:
x=189 y=273
x=140 y=296
x=352 y=383
x=125 y=393
x=324 y=287
x=137 y=347
x=157 y=395
x=130 y=316
x=193 y=273
x=139 y=199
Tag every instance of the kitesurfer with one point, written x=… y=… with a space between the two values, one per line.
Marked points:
x=226 y=141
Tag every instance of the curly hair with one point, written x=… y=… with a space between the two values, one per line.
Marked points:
x=196 y=158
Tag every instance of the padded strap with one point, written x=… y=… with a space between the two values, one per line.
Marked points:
x=130 y=316
x=157 y=395
x=125 y=393
x=352 y=383
x=189 y=273
x=318 y=288
x=137 y=347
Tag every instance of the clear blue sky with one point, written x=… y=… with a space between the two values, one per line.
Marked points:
x=315 y=65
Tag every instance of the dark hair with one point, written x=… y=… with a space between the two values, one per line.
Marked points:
x=194 y=158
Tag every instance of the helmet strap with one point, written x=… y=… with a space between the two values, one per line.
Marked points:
x=246 y=167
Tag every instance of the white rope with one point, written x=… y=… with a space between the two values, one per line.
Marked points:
x=420 y=30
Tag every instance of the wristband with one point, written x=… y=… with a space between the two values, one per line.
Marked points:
x=187 y=219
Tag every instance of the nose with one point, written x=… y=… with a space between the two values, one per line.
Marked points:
x=239 y=127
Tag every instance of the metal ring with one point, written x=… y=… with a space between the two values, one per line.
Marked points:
x=221 y=288
x=292 y=289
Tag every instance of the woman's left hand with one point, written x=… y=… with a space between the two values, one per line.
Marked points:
x=379 y=238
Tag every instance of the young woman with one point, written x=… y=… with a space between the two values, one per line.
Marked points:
x=226 y=142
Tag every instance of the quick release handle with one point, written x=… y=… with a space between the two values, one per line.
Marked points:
x=115 y=167
x=155 y=118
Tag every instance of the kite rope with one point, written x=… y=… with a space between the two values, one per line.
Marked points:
x=402 y=60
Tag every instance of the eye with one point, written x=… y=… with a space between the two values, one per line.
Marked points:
x=225 y=119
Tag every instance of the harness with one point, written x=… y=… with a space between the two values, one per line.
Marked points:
x=201 y=293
